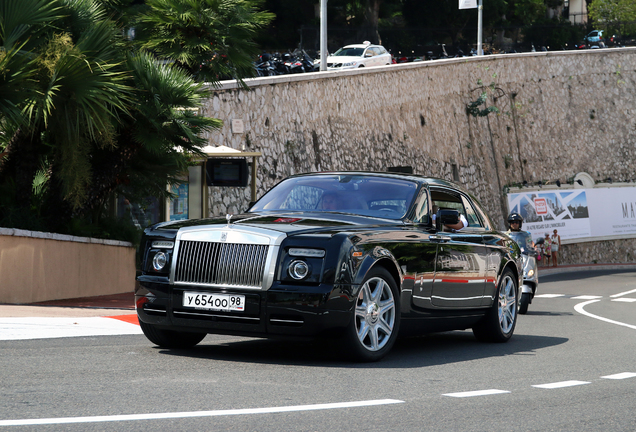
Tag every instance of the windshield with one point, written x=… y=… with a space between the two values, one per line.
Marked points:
x=349 y=52
x=355 y=194
x=523 y=239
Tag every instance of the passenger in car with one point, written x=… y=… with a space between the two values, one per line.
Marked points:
x=329 y=202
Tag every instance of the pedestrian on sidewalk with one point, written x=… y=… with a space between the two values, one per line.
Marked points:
x=547 y=249
x=556 y=245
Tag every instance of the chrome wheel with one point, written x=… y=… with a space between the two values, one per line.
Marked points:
x=507 y=305
x=498 y=324
x=375 y=314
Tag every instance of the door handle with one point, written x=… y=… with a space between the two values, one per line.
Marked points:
x=439 y=238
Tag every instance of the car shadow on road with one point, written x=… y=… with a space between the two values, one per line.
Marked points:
x=414 y=352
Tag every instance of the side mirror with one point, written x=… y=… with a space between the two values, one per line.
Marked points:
x=444 y=217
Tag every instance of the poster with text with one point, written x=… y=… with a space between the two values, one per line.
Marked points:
x=179 y=205
x=577 y=213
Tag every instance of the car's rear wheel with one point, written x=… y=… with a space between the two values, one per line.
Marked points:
x=170 y=338
x=499 y=323
x=376 y=318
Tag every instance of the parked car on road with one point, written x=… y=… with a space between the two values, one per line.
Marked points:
x=595 y=39
x=358 y=55
x=352 y=255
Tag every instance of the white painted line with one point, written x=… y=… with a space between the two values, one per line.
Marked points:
x=579 y=308
x=549 y=295
x=620 y=376
x=561 y=384
x=625 y=300
x=476 y=393
x=20 y=328
x=623 y=293
x=191 y=414
x=587 y=297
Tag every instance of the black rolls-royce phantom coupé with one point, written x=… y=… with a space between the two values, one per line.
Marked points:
x=358 y=256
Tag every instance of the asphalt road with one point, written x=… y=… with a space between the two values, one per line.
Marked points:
x=570 y=367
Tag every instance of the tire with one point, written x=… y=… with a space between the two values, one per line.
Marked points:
x=499 y=323
x=523 y=303
x=375 y=320
x=170 y=338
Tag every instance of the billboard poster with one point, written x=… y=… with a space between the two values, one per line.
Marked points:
x=577 y=213
x=179 y=206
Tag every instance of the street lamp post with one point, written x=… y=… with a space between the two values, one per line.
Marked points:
x=323 y=35
x=480 y=11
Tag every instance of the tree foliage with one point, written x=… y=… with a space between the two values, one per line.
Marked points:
x=83 y=113
x=614 y=15
x=212 y=39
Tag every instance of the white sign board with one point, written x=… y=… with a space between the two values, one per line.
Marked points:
x=467 y=4
x=237 y=126
x=577 y=213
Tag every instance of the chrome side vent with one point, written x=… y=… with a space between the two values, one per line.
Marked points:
x=221 y=264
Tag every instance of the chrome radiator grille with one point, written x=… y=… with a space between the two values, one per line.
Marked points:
x=225 y=264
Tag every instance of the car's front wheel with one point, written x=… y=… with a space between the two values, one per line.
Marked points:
x=376 y=318
x=499 y=323
x=170 y=338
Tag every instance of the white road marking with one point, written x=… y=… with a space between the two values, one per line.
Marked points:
x=620 y=376
x=579 y=308
x=476 y=393
x=549 y=295
x=191 y=414
x=623 y=293
x=624 y=300
x=587 y=297
x=19 y=328
x=561 y=384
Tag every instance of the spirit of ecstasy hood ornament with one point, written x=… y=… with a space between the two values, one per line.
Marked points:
x=228 y=217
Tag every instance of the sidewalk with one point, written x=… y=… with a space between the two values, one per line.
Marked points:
x=110 y=305
x=546 y=271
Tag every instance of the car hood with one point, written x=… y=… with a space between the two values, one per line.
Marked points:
x=289 y=222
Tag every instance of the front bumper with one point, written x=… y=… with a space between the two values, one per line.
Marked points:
x=279 y=311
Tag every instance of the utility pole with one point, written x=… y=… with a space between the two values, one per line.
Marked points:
x=323 y=36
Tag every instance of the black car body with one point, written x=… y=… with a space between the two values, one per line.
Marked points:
x=377 y=265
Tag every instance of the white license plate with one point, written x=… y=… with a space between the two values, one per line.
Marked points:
x=218 y=302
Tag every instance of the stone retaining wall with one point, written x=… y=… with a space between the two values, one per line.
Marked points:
x=554 y=114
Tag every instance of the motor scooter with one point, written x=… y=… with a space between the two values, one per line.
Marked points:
x=530 y=270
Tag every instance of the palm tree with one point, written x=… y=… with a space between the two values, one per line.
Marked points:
x=212 y=39
x=74 y=95
x=154 y=142
x=79 y=108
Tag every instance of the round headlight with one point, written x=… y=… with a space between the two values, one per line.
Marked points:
x=298 y=269
x=159 y=261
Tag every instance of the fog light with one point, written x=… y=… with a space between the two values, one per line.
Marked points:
x=159 y=261
x=298 y=269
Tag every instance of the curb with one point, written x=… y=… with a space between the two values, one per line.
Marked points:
x=545 y=271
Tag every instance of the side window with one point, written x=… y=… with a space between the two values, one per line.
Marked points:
x=471 y=215
x=446 y=201
x=421 y=213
